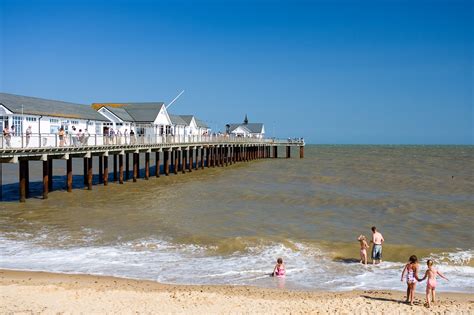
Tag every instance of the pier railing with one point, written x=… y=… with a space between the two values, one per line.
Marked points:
x=50 y=140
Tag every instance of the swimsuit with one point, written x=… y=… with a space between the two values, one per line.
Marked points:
x=280 y=272
x=363 y=252
x=431 y=283
x=410 y=275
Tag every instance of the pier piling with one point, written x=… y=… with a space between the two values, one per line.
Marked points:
x=288 y=152
x=157 y=163
x=23 y=178
x=127 y=166
x=190 y=158
x=301 y=152
x=45 y=179
x=183 y=161
x=84 y=168
x=147 y=165
x=101 y=169
x=203 y=151
x=136 y=156
x=50 y=174
x=167 y=162
x=176 y=161
x=115 y=167
x=106 y=170
x=69 y=174
x=89 y=173
x=120 y=168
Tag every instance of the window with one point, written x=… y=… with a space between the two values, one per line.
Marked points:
x=118 y=124
x=90 y=123
x=54 y=121
x=18 y=124
x=30 y=118
x=98 y=128
x=75 y=122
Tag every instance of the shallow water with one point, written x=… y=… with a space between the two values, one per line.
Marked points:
x=228 y=225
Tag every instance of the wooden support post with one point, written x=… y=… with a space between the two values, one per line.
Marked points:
x=147 y=165
x=183 y=161
x=50 y=174
x=45 y=180
x=27 y=175
x=157 y=163
x=176 y=161
x=69 y=174
x=101 y=169
x=136 y=156
x=85 y=164
x=115 y=167
x=89 y=173
x=301 y=152
x=226 y=156
x=22 y=180
x=275 y=152
x=288 y=152
x=127 y=166
x=196 y=161
x=203 y=152
x=208 y=157
x=138 y=164
x=190 y=159
x=106 y=170
x=120 y=168
x=166 y=158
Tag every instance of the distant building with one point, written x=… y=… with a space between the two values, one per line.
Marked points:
x=246 y=129
x=45 y=117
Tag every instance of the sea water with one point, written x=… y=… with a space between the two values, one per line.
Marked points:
x=228 y=225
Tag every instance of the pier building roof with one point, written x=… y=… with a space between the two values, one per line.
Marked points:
x=177 y=120
x=133 y=112
x=251 y=127
x=18 y=104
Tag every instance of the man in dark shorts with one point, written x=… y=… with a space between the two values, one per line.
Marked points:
x=377 y=240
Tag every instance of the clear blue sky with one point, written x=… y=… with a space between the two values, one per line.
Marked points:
x=330 y=71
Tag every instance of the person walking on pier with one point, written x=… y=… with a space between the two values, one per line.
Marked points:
x=74 y=136
x=28 y=135
x=61 y=137
x=7 y=136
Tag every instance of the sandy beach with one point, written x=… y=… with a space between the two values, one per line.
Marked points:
x=47 y=293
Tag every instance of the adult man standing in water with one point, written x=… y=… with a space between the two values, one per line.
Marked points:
x=377 y=240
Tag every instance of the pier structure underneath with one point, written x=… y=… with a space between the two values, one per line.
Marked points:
x=184 y=157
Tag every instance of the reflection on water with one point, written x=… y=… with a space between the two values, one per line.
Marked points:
x=420 y=197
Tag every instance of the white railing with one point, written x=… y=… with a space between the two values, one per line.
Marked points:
x=54 y=140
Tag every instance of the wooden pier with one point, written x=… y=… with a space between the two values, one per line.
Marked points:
x=176 y=157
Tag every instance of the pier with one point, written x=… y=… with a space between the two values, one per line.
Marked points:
x=172 y=155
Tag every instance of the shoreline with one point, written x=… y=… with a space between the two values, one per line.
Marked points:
x=44 y=292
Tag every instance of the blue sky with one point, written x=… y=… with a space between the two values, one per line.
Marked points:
x=396 y=72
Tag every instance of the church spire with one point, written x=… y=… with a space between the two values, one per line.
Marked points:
x=246 y=120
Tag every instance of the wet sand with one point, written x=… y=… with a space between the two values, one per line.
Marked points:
x=27 y=292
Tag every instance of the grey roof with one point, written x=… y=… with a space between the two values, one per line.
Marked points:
x=187 y=119
x=135 y=112
x=252 y=127
x=177 y=120
x=200 y=123
x=38 y=106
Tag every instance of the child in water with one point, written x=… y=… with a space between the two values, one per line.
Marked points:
x=431 y=274
x=411 y=269
x=279 y=270
x=363 y=249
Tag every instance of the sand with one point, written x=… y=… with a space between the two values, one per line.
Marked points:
x=24 y=292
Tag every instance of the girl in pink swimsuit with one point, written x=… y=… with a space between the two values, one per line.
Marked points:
x=363 y=249
x=411 y=270
x=279 y=270
x=431 y=274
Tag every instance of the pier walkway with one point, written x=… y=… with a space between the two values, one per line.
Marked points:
x=172 y=155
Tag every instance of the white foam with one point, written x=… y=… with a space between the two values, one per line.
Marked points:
x=164 y=261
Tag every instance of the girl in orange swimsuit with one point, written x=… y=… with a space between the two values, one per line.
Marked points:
x=431 y=274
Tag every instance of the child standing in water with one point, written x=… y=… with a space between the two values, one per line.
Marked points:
x=411 y=269
x=363 y=249
x=279 y=269
x=431 y=274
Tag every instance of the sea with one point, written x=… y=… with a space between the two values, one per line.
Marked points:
x=228 y=225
